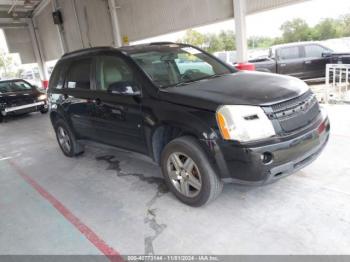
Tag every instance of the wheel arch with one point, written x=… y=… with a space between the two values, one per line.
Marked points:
x=165 y=132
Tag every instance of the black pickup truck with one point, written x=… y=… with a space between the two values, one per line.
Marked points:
x=305 y=60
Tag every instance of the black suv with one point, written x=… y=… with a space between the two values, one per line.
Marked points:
x=18 y=97
x=204 y=122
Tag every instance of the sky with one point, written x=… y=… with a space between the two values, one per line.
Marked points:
x=268 y=23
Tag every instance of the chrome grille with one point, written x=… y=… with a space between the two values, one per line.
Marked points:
x=297 y=112
x=21 y=102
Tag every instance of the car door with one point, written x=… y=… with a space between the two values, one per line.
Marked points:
x=290 y=61
x=78 y=94
x=118 y=115
x=315 y=63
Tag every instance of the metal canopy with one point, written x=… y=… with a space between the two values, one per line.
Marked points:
x=89 y=23
x=14 y=12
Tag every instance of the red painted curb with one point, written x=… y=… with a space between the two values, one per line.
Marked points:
x=108 y=251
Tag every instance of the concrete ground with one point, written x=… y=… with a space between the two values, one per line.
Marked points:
x=109 y=200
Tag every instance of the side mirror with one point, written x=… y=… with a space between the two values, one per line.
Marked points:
x=125 y=88
x=40 y=89
x=326 y=54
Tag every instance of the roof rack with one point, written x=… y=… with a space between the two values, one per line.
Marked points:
x=162 y=43
x=87 y=50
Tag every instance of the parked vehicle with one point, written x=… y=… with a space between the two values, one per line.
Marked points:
x=203 y=126
x=304 y=60
x=31 y=76
x=17 y=97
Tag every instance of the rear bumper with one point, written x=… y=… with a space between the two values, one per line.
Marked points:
x=244 y=165
x=33 y=107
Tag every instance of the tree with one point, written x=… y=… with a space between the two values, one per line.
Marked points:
x=213 y=43
x=7 y=65
x=327 y=29
x=296 y=30
x=345 y=25
x=260 y=42
x=193 y=37
x=227 y=38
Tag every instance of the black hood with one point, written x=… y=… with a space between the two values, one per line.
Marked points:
x=241 y=88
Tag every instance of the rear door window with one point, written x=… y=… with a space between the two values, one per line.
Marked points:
x=288 y=53
x=57 y=77
x=78 y=75
x=314 y=51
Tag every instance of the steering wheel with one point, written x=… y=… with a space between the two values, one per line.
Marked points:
x=188 y=74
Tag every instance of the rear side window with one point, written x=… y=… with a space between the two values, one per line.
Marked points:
x=287 y=53
x=314 y=51
x=57 y=78
x=78 y=74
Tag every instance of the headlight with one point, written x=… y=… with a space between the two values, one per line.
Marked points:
x=42 y=97
x=243 y=123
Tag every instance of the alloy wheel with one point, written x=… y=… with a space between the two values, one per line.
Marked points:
x=184 y=174
x=64 y=139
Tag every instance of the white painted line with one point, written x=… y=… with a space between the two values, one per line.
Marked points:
x=5 y=158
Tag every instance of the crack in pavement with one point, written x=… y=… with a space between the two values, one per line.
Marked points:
x=150 y=217
x=151 y=220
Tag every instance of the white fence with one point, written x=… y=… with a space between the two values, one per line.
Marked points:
x=337 y=82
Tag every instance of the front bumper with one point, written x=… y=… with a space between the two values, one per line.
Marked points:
x=33 y=107
x=244 y=165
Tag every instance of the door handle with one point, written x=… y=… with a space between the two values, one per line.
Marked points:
x=308 y=62
x=283 y=65
x=97 y=101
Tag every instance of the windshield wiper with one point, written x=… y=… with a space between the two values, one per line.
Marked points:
x=184 y=82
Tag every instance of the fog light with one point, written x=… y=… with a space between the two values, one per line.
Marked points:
x=266 y=157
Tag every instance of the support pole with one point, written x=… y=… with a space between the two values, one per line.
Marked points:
x=239 y=7
x=115 y=24
x=37 y=53
x=60 y=30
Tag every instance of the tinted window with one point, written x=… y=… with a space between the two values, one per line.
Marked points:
x=314 y=51
x=57 y=78
x=286 y=53
x=112 y=70
x=14 y=86
x=78 y=75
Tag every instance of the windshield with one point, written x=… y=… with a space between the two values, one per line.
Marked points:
x=14 y=86
x=177 y=65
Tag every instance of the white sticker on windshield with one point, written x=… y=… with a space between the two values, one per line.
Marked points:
x=191 y=50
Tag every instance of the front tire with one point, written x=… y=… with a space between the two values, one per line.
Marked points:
x=66 y=140
x=188 y=173
x=44 y=110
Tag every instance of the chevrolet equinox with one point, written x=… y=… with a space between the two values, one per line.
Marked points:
x=201 y=120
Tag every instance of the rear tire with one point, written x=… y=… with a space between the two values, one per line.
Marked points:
x=66 y=139
x=188 y=173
